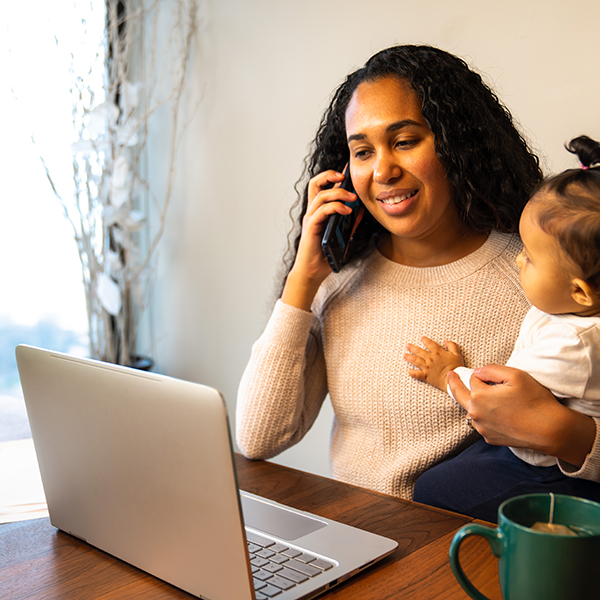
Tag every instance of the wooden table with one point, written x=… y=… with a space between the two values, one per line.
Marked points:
x=38 y=561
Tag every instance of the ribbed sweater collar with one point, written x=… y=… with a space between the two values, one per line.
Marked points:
x=398 y=274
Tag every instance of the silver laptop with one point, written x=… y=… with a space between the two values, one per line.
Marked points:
x=141 y=466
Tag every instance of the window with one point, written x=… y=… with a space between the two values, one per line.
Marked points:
x=41 y=296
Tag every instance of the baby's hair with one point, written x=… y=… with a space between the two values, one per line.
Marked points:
x=570 y=203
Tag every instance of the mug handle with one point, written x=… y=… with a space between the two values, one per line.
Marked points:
x=494 y=538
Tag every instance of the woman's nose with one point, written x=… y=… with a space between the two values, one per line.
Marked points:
x=386 y=169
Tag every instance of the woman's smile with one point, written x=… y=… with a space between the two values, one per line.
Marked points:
x=396 y=201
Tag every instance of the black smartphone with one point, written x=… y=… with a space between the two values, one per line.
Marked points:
x=340 y=229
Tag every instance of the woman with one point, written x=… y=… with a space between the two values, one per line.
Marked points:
x=444 y=175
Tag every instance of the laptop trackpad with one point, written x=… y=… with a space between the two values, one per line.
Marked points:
x=276 y=520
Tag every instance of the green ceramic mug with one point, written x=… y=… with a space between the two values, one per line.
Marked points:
x=534 y=565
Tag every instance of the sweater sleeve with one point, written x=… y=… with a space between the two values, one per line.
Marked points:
x=283 y=386
x=591 y=466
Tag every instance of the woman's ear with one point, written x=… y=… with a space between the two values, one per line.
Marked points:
x=582 y=292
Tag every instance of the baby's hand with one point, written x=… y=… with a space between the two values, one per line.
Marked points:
x=433 y=363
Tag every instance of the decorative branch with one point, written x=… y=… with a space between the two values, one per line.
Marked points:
x=112 y=137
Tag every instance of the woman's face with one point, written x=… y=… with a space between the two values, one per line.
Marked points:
x=395 y=169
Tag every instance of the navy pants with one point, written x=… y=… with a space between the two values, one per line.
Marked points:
x=479 y=479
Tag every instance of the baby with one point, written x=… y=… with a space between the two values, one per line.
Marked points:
x=559 y=341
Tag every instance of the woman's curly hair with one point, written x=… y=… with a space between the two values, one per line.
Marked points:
x=490 y=167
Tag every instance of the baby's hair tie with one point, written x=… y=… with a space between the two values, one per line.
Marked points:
x=584 y=167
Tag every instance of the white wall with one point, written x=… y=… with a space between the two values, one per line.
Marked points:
x=268 y=68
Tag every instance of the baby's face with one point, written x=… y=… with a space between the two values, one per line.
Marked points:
x=545 y=272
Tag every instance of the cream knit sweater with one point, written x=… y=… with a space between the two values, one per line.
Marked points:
x=388 y=427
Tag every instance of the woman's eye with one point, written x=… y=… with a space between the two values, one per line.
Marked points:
x=360 y=154
x=405 y=143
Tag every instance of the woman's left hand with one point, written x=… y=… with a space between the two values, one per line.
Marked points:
x=508 y=407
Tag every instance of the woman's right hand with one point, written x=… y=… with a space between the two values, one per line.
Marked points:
x=311 y=267
x=509 y=407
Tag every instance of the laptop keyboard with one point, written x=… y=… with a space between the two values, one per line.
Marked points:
x=277 y=568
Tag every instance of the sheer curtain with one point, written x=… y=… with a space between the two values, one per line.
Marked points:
x=42 y=44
